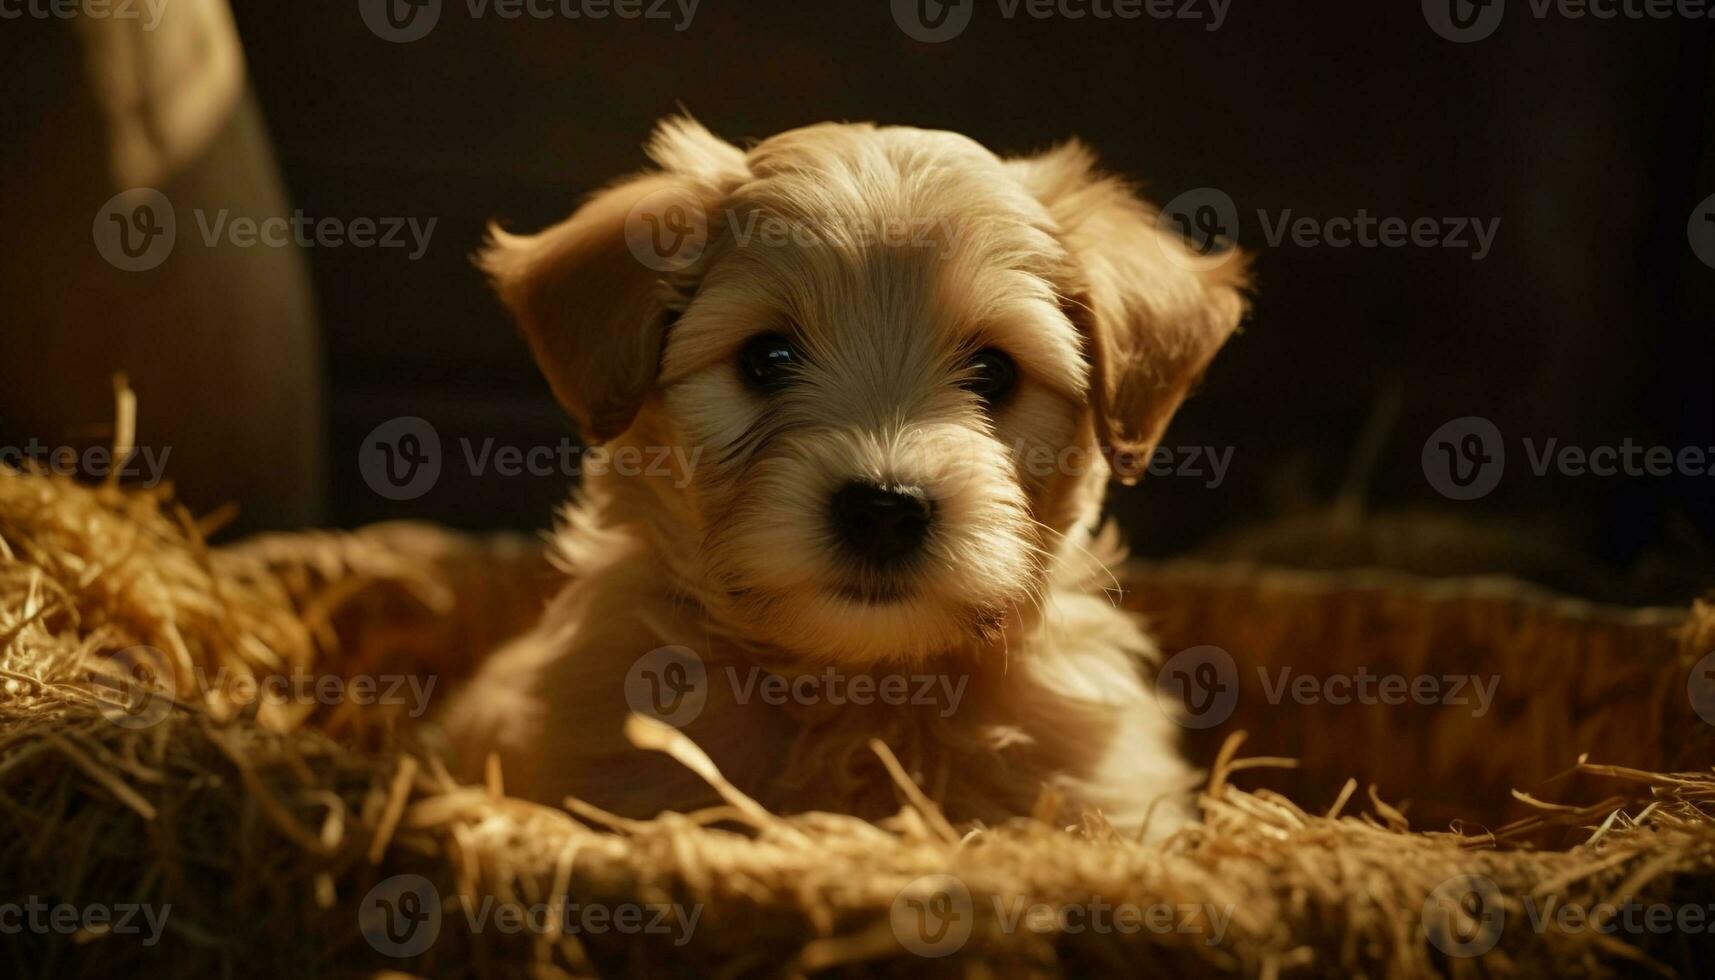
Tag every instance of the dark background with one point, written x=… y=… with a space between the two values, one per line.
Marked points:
x=1590 y=321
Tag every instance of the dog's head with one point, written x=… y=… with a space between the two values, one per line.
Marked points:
x=903 y=366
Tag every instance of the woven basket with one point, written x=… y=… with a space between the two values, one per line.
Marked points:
x=293 y=840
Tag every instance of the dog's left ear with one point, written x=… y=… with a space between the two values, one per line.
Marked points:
x=1152 y=311
x=594 y=294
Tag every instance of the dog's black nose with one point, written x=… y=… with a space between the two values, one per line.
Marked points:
x=882 y=523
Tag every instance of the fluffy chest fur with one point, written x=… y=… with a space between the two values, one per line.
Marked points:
x=1062 y=714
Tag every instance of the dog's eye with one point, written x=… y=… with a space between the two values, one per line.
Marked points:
x=767 y=362
x=991 y=376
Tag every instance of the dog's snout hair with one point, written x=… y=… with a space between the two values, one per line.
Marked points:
x=872 y=338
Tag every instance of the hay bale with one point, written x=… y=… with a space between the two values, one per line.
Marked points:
x=296 y=839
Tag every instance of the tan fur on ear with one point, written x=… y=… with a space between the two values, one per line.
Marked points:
x=588 y=293
x=1152 y=311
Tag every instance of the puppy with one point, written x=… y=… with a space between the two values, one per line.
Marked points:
x=871 y=383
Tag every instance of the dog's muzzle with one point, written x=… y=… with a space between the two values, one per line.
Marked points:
x=883 y=525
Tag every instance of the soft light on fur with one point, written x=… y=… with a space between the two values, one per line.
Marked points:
x=909 y=251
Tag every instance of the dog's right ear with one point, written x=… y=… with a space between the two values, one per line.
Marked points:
x=1152 y=311
x=593 y=294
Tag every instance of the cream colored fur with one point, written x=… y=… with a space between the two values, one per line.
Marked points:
x=1110 y=322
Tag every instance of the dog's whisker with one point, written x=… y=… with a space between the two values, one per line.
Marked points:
x=1102 y=566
